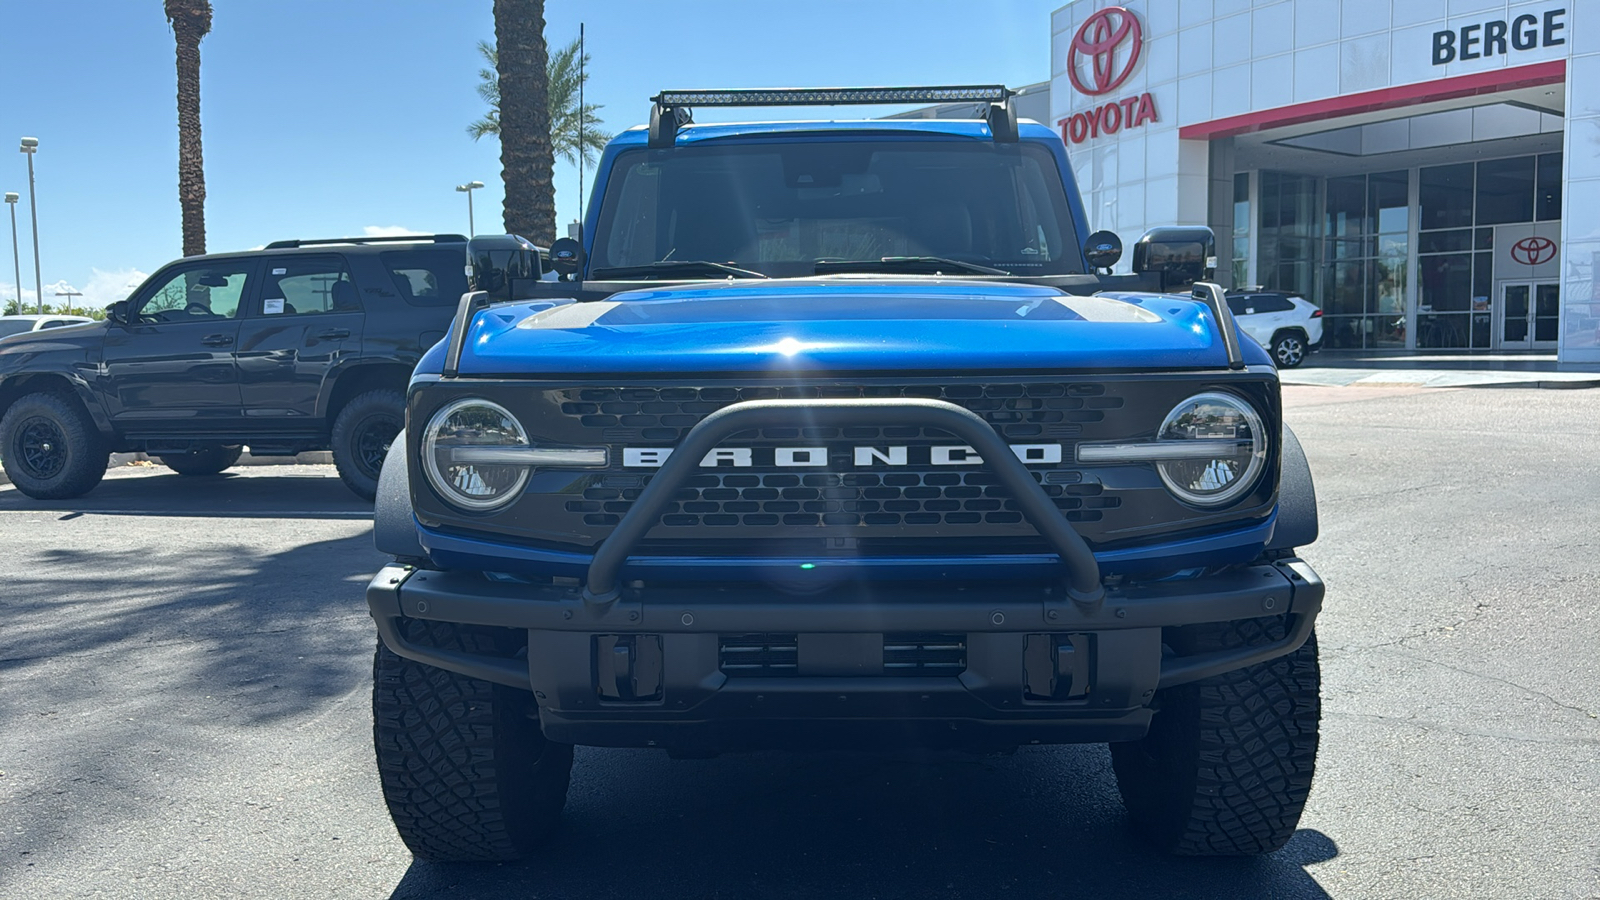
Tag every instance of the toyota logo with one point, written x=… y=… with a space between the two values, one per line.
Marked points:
x=1098 y=39
x=1532 y=251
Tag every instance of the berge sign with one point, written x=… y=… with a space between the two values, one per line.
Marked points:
x=1102 y=56
x=1499 y=37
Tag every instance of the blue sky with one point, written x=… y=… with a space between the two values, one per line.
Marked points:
x=328 y=118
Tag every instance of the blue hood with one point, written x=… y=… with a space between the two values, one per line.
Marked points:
x=845 y=324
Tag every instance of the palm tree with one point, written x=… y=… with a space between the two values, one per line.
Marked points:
x=526 y=157
x=191 y=21
x=562 y=75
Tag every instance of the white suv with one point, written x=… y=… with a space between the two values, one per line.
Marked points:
x=1288 y=326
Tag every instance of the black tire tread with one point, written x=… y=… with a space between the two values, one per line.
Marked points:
x=1228 y=763
x=342 y=438
x=466 y=773
x=88 y=447
x=210 y=460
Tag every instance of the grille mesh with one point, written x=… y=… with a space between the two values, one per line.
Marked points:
x=761 y=499
x=911 y=495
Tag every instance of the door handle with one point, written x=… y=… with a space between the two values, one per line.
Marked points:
x=217 y=340
x=332 y=334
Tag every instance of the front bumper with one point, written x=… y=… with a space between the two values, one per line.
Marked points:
x=652 y=668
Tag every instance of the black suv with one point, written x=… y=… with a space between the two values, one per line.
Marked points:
x=302 y=345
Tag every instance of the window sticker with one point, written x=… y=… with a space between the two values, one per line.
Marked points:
x=280 y=271
x=272 y=306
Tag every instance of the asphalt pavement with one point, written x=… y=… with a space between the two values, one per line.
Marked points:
x=185 y=666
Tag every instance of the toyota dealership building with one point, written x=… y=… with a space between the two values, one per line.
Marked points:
x=1427 y=171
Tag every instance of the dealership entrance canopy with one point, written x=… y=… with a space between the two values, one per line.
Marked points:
x=1427 y=171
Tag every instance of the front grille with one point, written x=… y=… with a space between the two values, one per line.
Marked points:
x=892 y=498
x=1018 y=411
x=924 y=654
x=758 y=654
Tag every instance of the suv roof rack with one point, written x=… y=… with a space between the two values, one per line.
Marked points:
x=672 y=108
x=395 y=239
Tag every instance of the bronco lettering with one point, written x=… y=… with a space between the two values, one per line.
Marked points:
x=805 y=457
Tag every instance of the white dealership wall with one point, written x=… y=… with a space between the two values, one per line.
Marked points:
x=1208 y=63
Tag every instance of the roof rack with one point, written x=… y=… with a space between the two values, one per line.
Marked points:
x=394 y=239
x=672 y=108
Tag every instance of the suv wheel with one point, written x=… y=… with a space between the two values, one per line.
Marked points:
x=1228 y=762
x=361 y=437
x=466 y=773
x=51 y=449
x=203 y=461
x=1288 y=349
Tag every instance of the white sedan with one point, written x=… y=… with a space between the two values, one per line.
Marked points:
x=1288 y=326
x=10 y=325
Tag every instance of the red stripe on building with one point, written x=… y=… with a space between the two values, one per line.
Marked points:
x=1553 y=72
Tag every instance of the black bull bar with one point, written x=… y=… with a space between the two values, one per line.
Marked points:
x=1082 y=576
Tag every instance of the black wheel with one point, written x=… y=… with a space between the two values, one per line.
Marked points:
x=203 y=461
x=1288 y=349
x=52 y=450
x=466 y=772
x=361 y=437
x=1228 y=762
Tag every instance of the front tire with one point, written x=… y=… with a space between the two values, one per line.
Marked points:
x=467 y=775
x=1228 y=762
x=209 y=460
x=51 y=448
x=1288 y=350
x=362 y=433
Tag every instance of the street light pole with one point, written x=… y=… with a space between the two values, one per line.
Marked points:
x=69 y=295
x=29 y=146
x=467 y=189
x=16 y=258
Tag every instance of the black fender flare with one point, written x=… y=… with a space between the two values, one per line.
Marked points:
x=85 y=393
x=1297 y=498
x=394 y=528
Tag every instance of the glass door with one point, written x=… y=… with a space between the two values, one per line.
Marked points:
x=1546 y=314
x=1516 y=307
x=1530 y=315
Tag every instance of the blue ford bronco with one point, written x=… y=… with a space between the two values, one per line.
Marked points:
x=842 y=433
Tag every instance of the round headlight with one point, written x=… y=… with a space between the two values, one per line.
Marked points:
x=1227 y=449
x=472 y=424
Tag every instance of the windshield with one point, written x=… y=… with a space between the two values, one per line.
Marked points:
x=779 y=209
x=15 y=326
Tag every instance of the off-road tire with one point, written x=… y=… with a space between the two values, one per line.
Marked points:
x=466 y=773
x=51 y=449
x=361 y=435
x=1228 y=762
x=1289 y=349
x=208 y=460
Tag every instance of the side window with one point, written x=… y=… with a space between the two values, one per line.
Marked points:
x=198 y=293
x=1237 y=305
x=1270 y=304
x=427 y=277
x=303 y=286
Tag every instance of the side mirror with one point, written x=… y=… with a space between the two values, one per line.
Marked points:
x=1102 y=249
x=1178 y=255
x=118 y=312
x=566 y=257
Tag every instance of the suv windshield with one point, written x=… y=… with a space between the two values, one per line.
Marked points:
x=780 y=209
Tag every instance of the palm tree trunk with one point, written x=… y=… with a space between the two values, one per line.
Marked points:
x=191 y=21
x=527 y=160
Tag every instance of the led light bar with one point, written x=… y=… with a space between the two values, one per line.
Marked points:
x=529 y=456
x=1159 y=450
x=671 y=109
x=988 y=93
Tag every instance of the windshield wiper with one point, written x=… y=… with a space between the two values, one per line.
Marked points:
x=667 y=268
x=920 y=264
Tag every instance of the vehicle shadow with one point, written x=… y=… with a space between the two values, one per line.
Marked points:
x=1045 y=822
x=118 y=667
x=280 y=494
